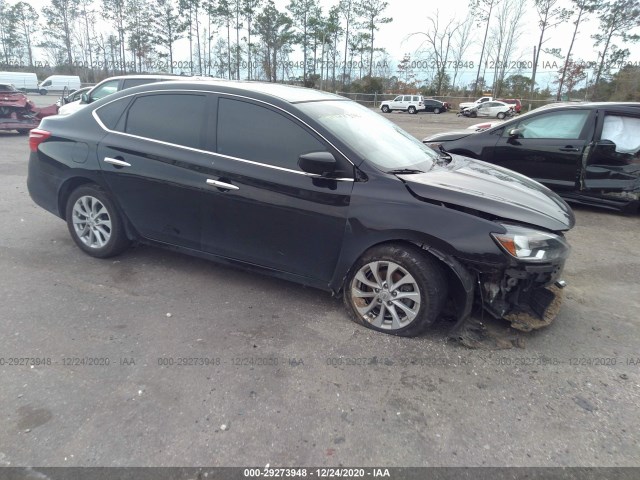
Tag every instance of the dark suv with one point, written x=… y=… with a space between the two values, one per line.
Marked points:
x=307 y=186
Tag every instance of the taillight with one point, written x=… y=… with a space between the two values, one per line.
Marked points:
x=36 y=137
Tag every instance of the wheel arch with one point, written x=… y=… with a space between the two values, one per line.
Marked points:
x=72 y=183
x=67 y=188
x=461 y=281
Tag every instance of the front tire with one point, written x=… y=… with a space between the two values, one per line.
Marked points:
x=395 y=289
x=436 y=110
x=473 y=114
x=501 y=115
x=23 y=131
x=95 y=223
x=43 y=91
x=386 y=109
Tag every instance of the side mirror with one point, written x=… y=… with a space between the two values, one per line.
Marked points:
x=84 y=98
x=515 y=133
x=318 y=163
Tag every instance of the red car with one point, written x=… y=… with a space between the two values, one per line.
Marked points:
x=19 y=113
x=517 y=106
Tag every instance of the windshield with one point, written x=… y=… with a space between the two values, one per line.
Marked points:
x=376 y=139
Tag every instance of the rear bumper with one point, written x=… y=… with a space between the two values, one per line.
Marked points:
x=42 y=186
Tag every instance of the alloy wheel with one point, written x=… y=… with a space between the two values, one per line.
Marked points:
x=385 y=295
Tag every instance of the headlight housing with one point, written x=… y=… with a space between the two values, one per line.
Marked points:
x=529 y=245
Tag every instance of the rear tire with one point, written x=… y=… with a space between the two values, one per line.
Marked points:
x=412 y=110
x=23 y=131
x=95 y=223
x=395 y=289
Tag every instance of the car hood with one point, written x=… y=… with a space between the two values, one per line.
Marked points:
x=493 y=190
x=71 y=107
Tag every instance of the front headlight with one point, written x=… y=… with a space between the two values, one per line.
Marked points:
x=531 y=245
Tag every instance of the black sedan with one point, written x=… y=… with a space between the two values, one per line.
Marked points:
x=589 y=153
x=309 y=187
x=435 y=106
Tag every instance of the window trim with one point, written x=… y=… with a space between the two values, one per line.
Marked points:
x=197 y=150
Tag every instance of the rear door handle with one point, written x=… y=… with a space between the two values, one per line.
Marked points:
x=569 y=148
x=116 y=162
x=223 y=185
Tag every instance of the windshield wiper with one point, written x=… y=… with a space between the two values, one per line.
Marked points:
x=404 y=171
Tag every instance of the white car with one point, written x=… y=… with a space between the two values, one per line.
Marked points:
x=113 y=85
x=405 y=103
x=493 y=109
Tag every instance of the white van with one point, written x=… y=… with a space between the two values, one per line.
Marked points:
x=56 y=83
x=27 y=82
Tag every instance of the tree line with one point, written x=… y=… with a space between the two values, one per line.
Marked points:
x=338 y=45
x=231 y=39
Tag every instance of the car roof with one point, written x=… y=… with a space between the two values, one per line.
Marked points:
x=287 y=93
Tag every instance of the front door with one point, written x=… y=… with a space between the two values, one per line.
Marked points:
x=261 y=208
x=548 y=147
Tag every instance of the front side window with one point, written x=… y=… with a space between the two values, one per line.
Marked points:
x=398 y=98
x=173 y=118
x=105 y=89
x=257 y=133
x=556 y=125
x=47 y=83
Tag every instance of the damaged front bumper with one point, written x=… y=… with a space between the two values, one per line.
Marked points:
x=528 y=296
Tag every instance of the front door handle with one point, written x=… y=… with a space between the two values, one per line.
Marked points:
x=223 y=185
x=116 y=162
x=569 y=148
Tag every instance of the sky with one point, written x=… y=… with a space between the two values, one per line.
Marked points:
x=411 y=16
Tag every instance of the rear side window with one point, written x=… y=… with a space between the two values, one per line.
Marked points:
x=111 y=112
x=172 y=118
x=256 y=133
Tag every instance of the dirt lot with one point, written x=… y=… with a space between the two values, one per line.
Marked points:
x=276 y=374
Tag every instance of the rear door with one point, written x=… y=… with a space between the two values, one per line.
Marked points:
x=153 y=161
x=548 y=148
